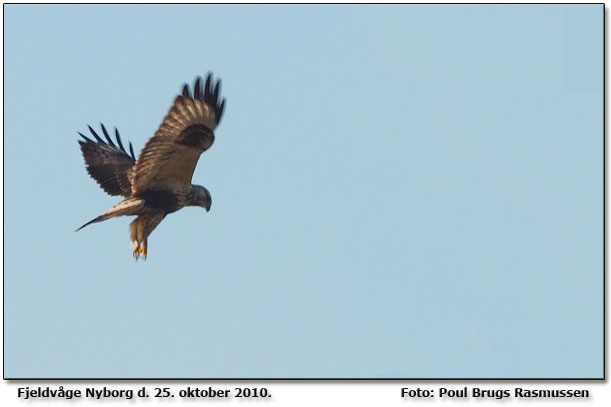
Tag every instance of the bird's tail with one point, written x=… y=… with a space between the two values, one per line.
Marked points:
x=130 y=206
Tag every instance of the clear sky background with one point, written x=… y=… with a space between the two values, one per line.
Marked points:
x=398 y=191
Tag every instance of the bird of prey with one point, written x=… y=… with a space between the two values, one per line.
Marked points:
x=159 y=181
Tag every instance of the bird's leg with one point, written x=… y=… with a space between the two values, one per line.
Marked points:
x=137 y=249
x=143 y=249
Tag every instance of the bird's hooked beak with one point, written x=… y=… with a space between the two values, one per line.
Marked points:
x=205 y=198
x=208 y=204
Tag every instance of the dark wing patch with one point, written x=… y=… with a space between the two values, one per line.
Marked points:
x=163 y=199
x=169 y=158
x=196 y=135
x=108 y=163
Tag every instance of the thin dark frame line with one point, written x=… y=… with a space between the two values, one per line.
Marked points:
x=604 y=193
x=305 y=3
x=604 y=377
x=225 y=379
x=3 y=191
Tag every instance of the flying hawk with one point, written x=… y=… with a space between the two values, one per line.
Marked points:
x=159 y=181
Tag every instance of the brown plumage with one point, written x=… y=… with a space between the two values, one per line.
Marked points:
x=159 y=181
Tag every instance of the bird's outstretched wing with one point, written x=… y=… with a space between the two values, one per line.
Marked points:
x=169 y=158
x=108 y=163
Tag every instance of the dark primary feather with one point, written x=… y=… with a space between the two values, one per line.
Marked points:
x=119 y=139
x=211 y=97
x=169 y=158
x=110 y=165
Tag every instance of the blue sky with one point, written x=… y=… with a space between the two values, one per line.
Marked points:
x=398 y=191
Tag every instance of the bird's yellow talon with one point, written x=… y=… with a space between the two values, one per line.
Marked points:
x=143 y=251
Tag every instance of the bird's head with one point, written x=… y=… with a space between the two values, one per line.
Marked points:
x=201 y=197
